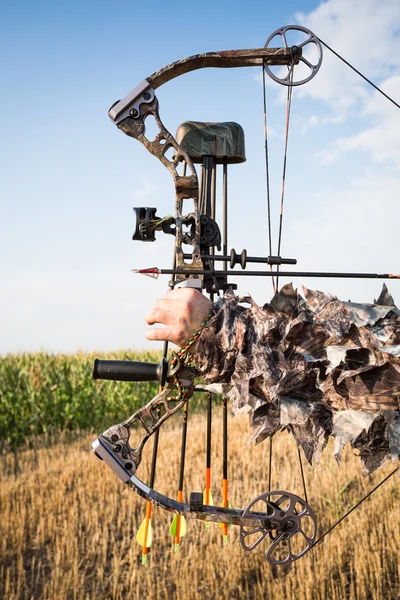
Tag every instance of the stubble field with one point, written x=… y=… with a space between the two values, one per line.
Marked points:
x=68 y=528
x=68 y=525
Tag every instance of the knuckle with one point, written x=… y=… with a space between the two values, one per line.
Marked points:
x=148 y=318
x=179 y=333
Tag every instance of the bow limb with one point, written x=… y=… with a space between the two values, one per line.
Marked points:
x=225 y=59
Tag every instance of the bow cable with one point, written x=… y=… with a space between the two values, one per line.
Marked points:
x=302 y=475
x=378 y=89
x=384 y=480
x=270 y=464
x=225 y=209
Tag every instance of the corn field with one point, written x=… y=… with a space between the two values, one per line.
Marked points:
x=43 y=394
x=68 y=525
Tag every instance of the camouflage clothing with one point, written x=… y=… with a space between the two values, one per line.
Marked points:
x=315 y=366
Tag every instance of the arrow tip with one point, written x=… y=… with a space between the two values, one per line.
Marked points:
x=153 y=272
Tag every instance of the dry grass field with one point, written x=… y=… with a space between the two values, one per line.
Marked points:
x=68 y=526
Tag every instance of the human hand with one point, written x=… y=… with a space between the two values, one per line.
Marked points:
x=182 y=311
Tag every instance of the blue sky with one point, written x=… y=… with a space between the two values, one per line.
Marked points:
x=70 y=179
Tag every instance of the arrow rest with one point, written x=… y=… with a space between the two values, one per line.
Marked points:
x=210 y=233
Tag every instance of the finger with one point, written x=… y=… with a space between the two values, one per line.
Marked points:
x=159 y=316
x=159 y=334
x=165 y=304
x=179 y=293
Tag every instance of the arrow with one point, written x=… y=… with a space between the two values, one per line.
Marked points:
x=225 y=504
x=154 y=272
x=225 y=501
x=178 y=526
x=144 y=536
x=207 y=496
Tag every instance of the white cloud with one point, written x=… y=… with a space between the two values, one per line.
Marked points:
x=356 y=225
x=307 y=124
x=351 y=229
x=381 y=140
x=366 y=34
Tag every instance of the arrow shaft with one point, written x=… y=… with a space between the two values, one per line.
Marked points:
x=182 y=470
x=178 y=522
x=208 y=449
x=225 y=503
x=145 y=548
x=225 y=461
x=320 y=274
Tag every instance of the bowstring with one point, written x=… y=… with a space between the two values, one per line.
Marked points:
x=268 y=193
x=288 y=107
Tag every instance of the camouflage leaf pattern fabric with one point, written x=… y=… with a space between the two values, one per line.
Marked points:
x=315 y=366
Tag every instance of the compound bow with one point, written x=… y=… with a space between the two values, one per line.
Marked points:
x=285 y=513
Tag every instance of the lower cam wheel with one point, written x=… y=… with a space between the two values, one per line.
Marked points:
x=287 y=520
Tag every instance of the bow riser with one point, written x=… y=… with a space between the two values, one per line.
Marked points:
x=186 y=186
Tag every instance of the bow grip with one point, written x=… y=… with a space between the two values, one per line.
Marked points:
x=129 y=370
